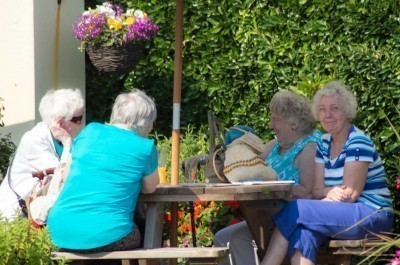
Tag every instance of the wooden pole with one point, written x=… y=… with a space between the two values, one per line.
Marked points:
x=177 y=92
x=176 y=120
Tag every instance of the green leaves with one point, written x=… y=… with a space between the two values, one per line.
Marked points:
x=21 y=243
x=238 y=53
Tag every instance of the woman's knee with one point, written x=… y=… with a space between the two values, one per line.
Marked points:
x=232 y=233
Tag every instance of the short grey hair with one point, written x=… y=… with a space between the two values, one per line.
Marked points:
x=60 y=103
x=135 y=110
x=295 y=108
x=336 y=88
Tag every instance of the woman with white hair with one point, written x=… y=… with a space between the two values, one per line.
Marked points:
x=352 y=197
x=111 y=164
x=45 y=146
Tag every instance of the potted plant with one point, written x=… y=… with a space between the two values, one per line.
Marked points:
x=113 y=38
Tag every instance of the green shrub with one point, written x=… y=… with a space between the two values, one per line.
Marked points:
x=209 y=217
x=7 y=148
x=238 y=53
x=21 y=243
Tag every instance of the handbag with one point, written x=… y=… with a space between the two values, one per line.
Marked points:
x=242 y=162
x=215 y=164
x=39 y=205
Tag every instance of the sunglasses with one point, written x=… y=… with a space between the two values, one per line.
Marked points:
x=77 y=119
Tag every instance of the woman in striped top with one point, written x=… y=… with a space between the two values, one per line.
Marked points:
x=350 y=186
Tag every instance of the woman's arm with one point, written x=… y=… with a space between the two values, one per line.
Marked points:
x=267 y=149
x=354 y=177
x=150 y=182
x=319 y=190
x=306 y=166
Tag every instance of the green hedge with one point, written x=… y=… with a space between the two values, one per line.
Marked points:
x=238 y=53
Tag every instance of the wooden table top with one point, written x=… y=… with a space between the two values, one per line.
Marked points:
x=219 y=192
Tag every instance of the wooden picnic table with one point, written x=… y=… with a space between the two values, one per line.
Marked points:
x=257 y=203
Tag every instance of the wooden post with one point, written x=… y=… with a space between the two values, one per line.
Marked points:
x=177 y=93
x=176 y=120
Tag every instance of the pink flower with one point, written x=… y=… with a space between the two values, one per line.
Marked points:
x=395 y=261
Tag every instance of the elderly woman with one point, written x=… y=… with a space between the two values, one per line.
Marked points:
x=291 y=155
x=45 y=146
x=350 y=184
x=111 y=164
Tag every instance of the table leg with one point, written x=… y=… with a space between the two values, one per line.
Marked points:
x=154 y=229
x=174 y=229
x=154 y=225
x=258 y=215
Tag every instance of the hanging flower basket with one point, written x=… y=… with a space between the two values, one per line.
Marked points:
x=116 y=59
x=114 y=39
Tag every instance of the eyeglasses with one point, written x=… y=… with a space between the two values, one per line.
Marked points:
x=332 y=110
x=77 y=119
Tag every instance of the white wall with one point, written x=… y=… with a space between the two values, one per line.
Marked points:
x=28 y=66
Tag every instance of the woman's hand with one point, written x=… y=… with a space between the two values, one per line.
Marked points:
x=60 y=134
x=339 y=194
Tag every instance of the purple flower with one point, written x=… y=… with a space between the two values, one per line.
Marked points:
x=142 y=29
x=88 y=26
x=97 y=27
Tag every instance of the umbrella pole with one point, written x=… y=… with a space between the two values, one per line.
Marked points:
x=177 y=92
x=176 y=119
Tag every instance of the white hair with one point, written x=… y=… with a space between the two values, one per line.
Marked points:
x=295 y=108
x=336 y=88
x=60 y=103
x=135 y=110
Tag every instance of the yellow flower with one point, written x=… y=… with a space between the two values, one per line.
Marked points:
x=130 y=20
x=114 y=24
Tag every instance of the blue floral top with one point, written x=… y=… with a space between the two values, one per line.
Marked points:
x=283 y=164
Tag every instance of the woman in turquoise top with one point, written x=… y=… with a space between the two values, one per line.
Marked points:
x=291 y=155
x=111 y=164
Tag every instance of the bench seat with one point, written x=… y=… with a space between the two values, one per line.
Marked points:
x=339 y=252
x=362 y=247
x=207 y=255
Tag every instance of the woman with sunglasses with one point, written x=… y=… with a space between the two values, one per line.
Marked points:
x=46 y=146
x=352 y=199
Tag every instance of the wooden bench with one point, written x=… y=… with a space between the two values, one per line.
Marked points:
x=339 y=252
x=196 y=255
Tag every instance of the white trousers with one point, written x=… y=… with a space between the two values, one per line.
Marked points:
x=240 y=243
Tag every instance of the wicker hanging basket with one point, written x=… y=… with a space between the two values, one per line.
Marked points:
x=116 y=59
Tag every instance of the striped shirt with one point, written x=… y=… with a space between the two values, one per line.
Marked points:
x=358 y=147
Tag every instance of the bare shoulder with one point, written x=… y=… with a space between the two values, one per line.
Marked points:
x=310 y=147
x=268 y=148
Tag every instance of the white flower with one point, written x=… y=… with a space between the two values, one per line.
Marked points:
x=140 y=14
x=106 y=9
x=129 y=12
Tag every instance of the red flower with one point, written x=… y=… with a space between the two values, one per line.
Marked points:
x=233 y=204
x=398 y=183
x=186 y=227
x=181 y=214
x=236 y=220
x=167 y=217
